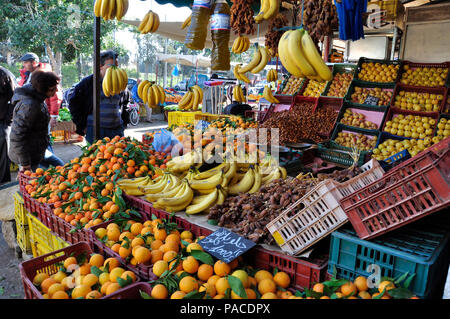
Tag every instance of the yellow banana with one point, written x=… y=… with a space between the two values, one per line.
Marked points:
x=257 y=183
x=285 y=59
x=97 y=8
x=236 y=45
x=200 y=90
x=173 y=192
x=186 y=22
x=231 y=172
x=155 y=93
x=208 y=182
x=155 y=23
x=274 y=6
x=104 y=9
x=124 y=76
x=253 y=63
x=267 y=94
x=143 y=24
x=221 y=196
x=145 y=92
x=186 y=197
x=185 y=100
x=119 y=9
x=112 y=9
x=213 y=171
x=283 y=172
x=136 y=180
x=265 y=4
x=272 y=176
x=314 y=57
x=244 y=185
x=263 y=62
x=196 y=98
x=115 y=81
x=294 y=43
x=190 y=104
x=107 y=82
x=205 y=204
x=150 y=97
x=141 y=87
x=197 y=199
x=162 y=94
x=149 y=24
x=125 y=8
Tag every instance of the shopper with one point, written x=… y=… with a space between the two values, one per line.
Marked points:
x=29 y=130
x=30 y=63
x=113 y=114
x=7 y=86
x=138 y=100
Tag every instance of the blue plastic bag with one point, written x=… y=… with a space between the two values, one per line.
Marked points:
x=164 y=141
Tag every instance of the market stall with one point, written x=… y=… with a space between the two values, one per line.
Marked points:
x=346 y=171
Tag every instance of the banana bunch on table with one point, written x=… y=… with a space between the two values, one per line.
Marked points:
x=150 y=23
x=133 y=186
x=151 y=94
x=110 y=9
x=192 y=99
x=115 y=81
x=299 y=56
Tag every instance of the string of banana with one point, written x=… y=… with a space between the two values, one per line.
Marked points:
x=300 y=57
x=150 y=23
x=186 y=22
x=258 y=62
x=272 y=75
x=268 y=10
x=192 y=99
x=240 y=45
x=115 y=81
x=183 y=188
x=238 y=94
x=110 y=9
x=267 y=94
x=151 y=94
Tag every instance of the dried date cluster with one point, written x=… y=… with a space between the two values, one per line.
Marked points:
x=300 y=123
x=248 y=214
x=241 y=19
x=320 y=18
x=272 y=36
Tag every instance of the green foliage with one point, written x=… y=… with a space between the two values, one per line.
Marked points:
x=15 y=68
x=69 y=75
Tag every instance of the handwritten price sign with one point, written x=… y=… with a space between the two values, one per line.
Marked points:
x=225 y=245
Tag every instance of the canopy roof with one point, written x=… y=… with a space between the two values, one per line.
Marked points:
x=189 y=60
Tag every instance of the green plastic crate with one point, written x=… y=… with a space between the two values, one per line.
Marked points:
x=421 y=249
x=339 y=68
x=388 y=62
x=332 y=152
x=351 y=89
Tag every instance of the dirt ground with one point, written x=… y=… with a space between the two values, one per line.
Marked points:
x=10 y=281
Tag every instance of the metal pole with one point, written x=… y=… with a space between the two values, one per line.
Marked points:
x=394 y=41
x=96 y=90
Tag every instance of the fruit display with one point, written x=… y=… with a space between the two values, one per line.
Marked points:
x=240 y=45
x=115 y=81
x=84 y=277
x=320 y=18
x=248 y=214
x=360 y=95
x=300 y=57
x=340 y=84
x=241 y=18
x=268 y=95
x=416 y=101
x=272 y=75
x=443 y=130
x=110 y=9
x=238 y=94
x=357 y=120
x=359 y=141
x=292 y=85
x=192 y=99
x=307 y=124
x=268 y=10
x=378 y=72
x=272 y=36
x=410 y=126
x=392 y=146
x=151 y=94
x=361 y=288
x=150 y=23
x=314 y=88
x=424 y=76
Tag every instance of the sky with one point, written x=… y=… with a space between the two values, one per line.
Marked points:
x=137 y=10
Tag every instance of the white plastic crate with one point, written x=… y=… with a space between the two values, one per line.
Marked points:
x=372 y=171
x=308 y=220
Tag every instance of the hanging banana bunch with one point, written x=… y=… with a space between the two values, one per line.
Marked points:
x=150 y=23
x=240 y=45
x=186 y=23
x=110 y=9
x=115 y=81
x=151 y=94
x=272 y=75
x=192 y=99
x=269 y=9
x=267 y=94
x=238 y=94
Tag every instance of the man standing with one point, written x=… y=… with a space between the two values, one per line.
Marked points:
x=7 y=86
x=113 y=114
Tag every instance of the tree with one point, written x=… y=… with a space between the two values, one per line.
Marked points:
x=51 y=28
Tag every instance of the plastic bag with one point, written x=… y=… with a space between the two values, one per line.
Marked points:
x=164 y=141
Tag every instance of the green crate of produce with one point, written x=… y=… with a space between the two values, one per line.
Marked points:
x=339 y=68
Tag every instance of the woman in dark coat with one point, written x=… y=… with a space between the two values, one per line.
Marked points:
x=29 y=130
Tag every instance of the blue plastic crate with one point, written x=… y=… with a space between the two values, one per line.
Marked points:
x=395 y=159
x=420 y=248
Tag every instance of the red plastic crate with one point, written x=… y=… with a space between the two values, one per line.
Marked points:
x=47 y=264
x=140 y=204
x=41 y=211
x=410 y=191
x=304 y=272
x=23 y=181
x=65 y=231
x=414 y=65
x=418 y=89
x=332 y=102
x=132 y=291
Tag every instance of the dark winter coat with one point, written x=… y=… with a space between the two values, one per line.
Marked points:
x=7 y=86
x=29 y=130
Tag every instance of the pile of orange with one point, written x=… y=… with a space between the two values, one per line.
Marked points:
x=89 y=278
